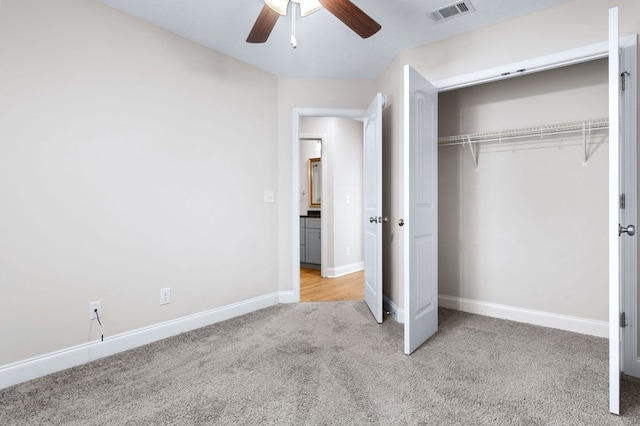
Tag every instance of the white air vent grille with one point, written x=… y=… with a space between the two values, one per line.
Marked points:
x=451 y=11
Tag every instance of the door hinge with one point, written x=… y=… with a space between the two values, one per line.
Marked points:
x=623 y=201
x=623 y=319
x=623 y=76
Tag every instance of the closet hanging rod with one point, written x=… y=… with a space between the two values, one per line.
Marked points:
x=585 y=127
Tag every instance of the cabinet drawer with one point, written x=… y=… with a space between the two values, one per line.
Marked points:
x=313 y=223
x=313 y=246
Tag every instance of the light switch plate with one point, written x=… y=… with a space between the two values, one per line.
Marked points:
x=269 y=196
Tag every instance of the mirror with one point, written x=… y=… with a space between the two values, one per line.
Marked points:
x=315 y=182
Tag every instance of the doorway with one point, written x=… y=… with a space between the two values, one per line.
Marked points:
x=330 y=188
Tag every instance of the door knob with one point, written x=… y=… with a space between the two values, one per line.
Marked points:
x=401 y=222
x=385 y=220
x=630 y=230
x=373 y=220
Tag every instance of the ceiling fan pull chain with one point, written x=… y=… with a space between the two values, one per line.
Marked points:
x=294 y=42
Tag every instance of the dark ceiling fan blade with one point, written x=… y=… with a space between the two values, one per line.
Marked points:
x=263 y=26
x=352 y=16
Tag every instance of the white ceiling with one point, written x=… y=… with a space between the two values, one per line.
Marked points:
x=326 y=47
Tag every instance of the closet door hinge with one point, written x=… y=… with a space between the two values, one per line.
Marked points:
x=623 y=201
x=623 y=76
x=623 y=320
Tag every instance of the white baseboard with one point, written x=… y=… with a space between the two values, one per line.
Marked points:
x=396 y=313
x=42 y=365
x=545 y=319
x=344 y=270
x=286 y=297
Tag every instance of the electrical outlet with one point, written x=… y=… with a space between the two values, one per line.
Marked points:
x=165 y=296
x=92 y=310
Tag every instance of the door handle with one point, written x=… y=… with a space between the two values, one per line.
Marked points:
x=401 y=222
x=630 y=230
x=373 y=220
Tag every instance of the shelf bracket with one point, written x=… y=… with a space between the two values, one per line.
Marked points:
x=474 y=153
x=584 y=146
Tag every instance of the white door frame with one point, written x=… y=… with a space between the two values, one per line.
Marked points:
x=356 y=114
x=530 y=66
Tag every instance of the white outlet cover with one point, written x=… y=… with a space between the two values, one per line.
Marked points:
x=92 y=307
x=269 y=196
x=165 y=296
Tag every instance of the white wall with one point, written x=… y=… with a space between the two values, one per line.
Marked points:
x=125 y=167
x=529 y=228
x=571 y=25
x=342 y=152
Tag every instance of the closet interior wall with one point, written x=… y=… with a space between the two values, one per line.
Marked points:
x=528 y=227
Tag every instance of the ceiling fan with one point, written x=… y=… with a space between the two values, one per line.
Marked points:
x=350 y=14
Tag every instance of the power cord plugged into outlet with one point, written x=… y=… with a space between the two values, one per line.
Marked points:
x=99 y=322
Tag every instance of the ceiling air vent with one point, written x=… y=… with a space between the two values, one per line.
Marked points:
x=452 y=10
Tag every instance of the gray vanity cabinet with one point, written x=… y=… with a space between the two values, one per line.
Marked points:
x=310 y=241
x=303 y=239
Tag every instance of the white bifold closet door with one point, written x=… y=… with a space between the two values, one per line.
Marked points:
x=373 y=207
x=420 y=221
x=614 y=209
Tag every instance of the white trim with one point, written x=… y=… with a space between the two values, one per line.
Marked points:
x=356 y=114
x=394 y=311
x=344 y=270
x=28 y=369
x=533 y=65
x=529 y=316
x=286 y=297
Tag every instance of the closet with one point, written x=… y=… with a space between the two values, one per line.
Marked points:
x=523 y=192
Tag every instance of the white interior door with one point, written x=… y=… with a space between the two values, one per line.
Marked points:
x=614 y=214
x=420 y=209
x=629 y=209
x=373 y=207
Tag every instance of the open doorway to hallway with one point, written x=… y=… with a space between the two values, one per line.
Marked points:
x=330 y=194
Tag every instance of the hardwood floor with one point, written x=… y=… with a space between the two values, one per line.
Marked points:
x=314 y=288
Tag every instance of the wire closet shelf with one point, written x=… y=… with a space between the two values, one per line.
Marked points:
x=584 y=127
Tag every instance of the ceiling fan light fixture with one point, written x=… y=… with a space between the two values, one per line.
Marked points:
x=278 y=6
x=307 y=7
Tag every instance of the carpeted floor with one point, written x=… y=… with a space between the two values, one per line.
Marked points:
x=329 y=363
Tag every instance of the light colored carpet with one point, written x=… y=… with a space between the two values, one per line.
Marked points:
x=329 y=363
